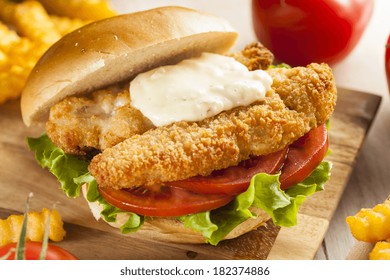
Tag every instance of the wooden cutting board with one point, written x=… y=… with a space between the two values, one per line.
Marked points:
x=88 y=239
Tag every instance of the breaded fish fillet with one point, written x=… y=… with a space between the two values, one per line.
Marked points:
x=301 y=99
x=86 y=125
x=89 y=124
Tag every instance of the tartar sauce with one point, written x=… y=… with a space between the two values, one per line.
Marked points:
x=197 y=88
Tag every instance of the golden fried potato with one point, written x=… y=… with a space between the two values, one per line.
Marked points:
x=8 y=38
x=82 y=9
x=371 y=225
x=27 y=30
x=7 y=11
x=18 y=56
x=33 y=22
x=66 y=25
x=10 y=228
x=381 y=251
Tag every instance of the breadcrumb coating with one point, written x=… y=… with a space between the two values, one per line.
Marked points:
x=301 y=98
x=85 y=125
x=254 y=56
x=89 y=124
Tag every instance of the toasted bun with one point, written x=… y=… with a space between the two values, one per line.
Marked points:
x=117 y=49
x=172 y=230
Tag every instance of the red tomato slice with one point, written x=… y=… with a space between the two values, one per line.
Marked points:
x=163 y=201
x=304 y=156
x=218 y=189
x=234 y=180
x=33 y=250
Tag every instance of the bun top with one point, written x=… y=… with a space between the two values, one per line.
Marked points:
x=117 y=49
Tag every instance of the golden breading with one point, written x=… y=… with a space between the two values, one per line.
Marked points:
x=183 y=150
x=254 y=56
x=381 y=251
x=80 y=125
x=310 y=90
x=10 y=228
x=371 y=225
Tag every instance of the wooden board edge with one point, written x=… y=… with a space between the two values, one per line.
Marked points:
x=300 y=242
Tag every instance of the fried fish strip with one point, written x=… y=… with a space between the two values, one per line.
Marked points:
x=301 y=99
x=80 y=125
x=83 y=125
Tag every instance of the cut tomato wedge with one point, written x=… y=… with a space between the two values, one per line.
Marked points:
x=234 y=180
x=162 y=201
x=304 y=156
x=33 y=250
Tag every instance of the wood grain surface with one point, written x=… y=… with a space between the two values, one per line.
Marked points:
x=88 y=239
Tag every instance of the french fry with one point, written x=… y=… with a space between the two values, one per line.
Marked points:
x=7 y=11
x=11 y=85
x=82 y=9
x=65 y=25
x=371 y=225
x=10 y=227
x=381 y=251
x=32 y=21
x=27 y=30
x=8 y=37
x=3 y=61
x=18 y=56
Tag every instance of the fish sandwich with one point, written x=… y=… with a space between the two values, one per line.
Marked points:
x=170 y=135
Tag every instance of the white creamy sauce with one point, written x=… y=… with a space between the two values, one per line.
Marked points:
x=197 y=88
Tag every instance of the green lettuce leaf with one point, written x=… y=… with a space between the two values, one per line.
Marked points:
x=202 y=223
x=264 y=192
x=72 y=173
x=65 y=167
x=109 y=212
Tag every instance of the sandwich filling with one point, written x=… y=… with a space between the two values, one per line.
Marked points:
x=142 y=165
x=85 y=125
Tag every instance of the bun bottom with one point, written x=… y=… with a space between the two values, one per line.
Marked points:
x=172 y=230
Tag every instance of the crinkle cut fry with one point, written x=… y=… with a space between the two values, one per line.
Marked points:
x=183 y=150
x=371 y=224
x=10 y=228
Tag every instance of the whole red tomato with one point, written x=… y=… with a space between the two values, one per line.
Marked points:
x=299 y=32
x=387 y=62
